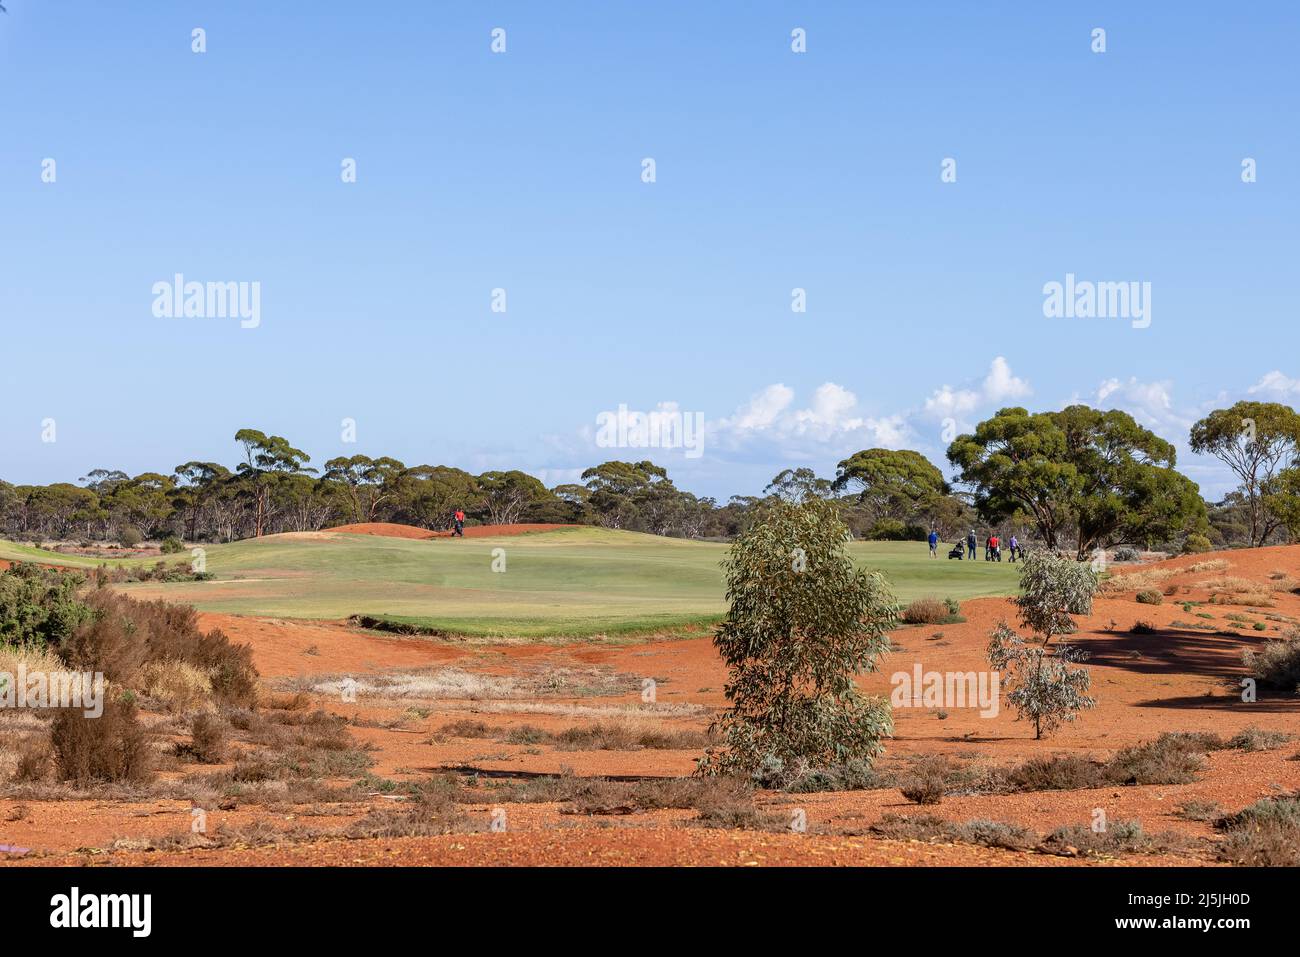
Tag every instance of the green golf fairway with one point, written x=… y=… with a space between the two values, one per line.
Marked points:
x=570 y=582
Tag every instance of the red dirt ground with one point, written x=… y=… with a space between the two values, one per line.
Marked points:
x=6 y=564
x=396 y=530
x=1177 y=678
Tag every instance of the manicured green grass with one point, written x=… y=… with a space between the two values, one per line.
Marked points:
x=15 y=552
x=575 y=582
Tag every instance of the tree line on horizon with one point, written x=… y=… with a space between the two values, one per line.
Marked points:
x=1079 y=478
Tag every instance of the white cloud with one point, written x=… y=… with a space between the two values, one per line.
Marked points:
x=1150 y=403
x=1154 y=406
x=775 y=428
x=1275 y=383
x=1001 y=385
x=949 y=403
x=831 y=419
x=831 y=411
x=763 y=409
x=998 y=386
x=1152 y=398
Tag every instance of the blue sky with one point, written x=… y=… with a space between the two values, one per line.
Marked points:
x=522 y=171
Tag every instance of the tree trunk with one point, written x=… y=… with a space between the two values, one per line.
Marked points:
x=261 y=508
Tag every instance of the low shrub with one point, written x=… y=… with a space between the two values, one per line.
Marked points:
x=177 y=685
x=1203 y=811
x=1120 y=837
x=620 y=736
x=893 y=530
x=1195 y=543
x=726 y=802
x=926 y=611
x=466 y=728
x=527 y=734
x=1170 y=759
x=1062 y=772
x=1271 y=847
x=926 y=782
x=112 y=747
x=988 y=833
x=1150 y=597
x=1258 y=739
x=1277 y=663
x=803 y=778
x=35 y=759
x=207 y=738
x=932 y=829
x=430 y=810
x=1283 y=812
x=1173 y=758
x=1266 y=833
x=123 y=634
x=39 y=607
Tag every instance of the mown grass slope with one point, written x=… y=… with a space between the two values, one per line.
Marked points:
x=579 y=581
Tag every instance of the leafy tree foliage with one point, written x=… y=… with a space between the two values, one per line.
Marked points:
x=1045 y=687
x=798 y=485
x=1282 y=500
x=267 y=460
x=1052 y=589
x=803 y=621
x=891 y=484
x=38 y=606
x=506 y=495
x=365 y=483
x=427 y=495
x=1079 y=477
x=1257 y=440
x=1097 y=477
x=635 y=496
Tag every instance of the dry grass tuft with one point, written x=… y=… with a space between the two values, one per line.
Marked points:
x=926 y=611
x=1247 y=599
x=1227 y=583
x=1136 y=581
x=176 y=685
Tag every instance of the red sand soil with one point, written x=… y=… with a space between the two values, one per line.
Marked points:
x=1175 y=679
x=396 y=530
x=6 y=564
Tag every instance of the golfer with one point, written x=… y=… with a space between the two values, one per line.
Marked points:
x=970 y=544
x=934 y=543
x=1013 y=545
x=460 y=524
